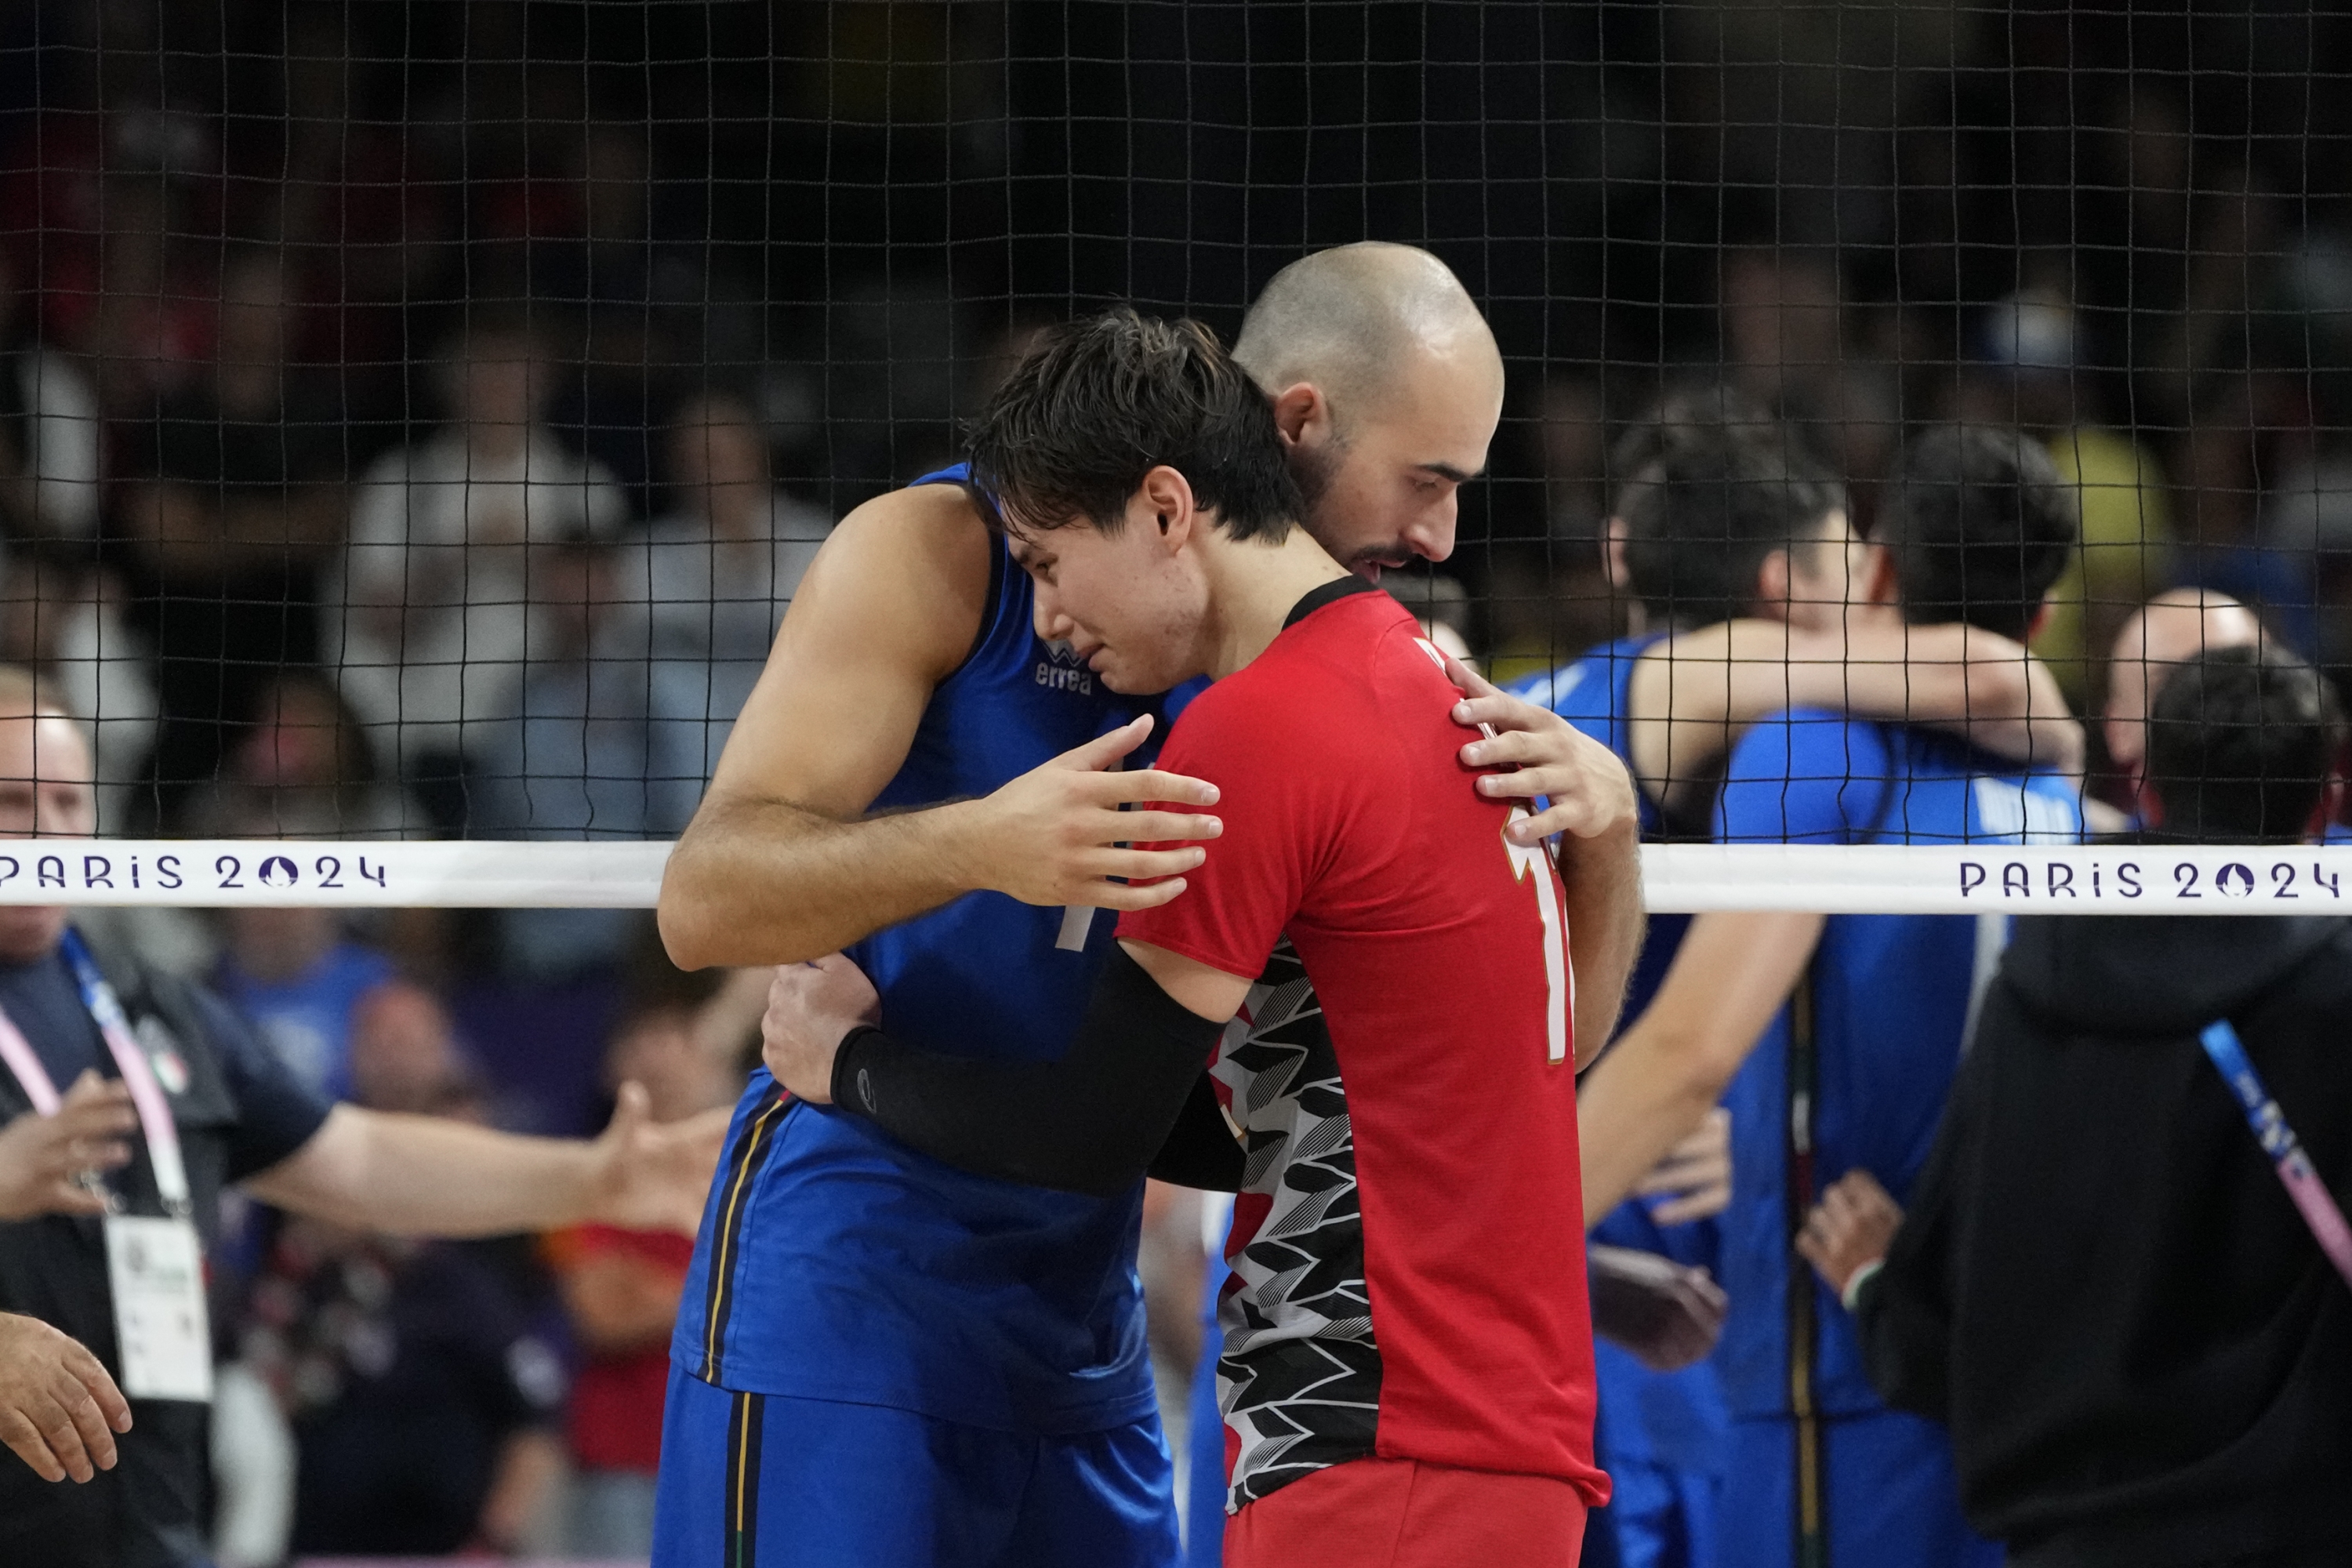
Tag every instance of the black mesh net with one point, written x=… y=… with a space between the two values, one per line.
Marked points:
x=418 y=414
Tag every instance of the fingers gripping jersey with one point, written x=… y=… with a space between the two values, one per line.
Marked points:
x=1409 y=1245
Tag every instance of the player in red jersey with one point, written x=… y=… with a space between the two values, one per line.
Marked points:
x=1416 y=1380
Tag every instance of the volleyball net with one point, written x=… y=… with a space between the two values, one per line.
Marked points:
x=415 y=420
x=1676 y=878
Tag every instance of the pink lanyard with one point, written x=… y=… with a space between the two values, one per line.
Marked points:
x=146 y=1095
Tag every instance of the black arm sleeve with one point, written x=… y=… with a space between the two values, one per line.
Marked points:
x=1200 y=1150
x=1090 y=1122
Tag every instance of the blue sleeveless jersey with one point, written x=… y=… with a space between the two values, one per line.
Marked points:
x=1891 y=1000
x=835 y=1263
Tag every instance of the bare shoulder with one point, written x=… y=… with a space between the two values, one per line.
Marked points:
x=908 y=571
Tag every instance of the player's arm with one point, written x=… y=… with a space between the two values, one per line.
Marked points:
x=1093 y=1120
x=781 y=863
x=1977 y=683
x=1785 y=782
x=1692 y=695
x=1671 y=1065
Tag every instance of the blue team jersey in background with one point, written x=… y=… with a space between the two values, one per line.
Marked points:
x=1676 y=1418
x=859 y=1270
x=1891 y=997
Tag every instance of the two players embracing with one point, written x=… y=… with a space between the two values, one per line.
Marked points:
x=935 y=1362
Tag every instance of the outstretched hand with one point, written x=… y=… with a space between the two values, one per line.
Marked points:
x=654 y=1176
x=812 y=1008
x=1054 y=835
x=1537 y=753
x=1850 y=1229
x=58 y=1409
x=42 y=1158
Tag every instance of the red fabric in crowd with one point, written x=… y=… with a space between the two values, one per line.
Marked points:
x=616 y=1399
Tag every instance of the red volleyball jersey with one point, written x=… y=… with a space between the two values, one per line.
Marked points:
x=1409 y=1245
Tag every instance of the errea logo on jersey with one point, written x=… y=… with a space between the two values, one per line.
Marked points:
x=1064 y=671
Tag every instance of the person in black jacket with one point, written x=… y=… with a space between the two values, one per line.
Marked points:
x=2102 y=1285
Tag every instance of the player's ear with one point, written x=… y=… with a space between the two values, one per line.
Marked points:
x=1166 y=501
x=1302 y=416
x=1879 y=585
x=1613 y=554
x=2041 y=619
x=1772 y=584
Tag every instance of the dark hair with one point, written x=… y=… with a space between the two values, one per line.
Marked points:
x=1702 y=515
x=1101 y=402
x=1683 y=415
x=1980 y=527
x=2241 y=741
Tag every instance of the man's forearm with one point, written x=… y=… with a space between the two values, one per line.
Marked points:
x=766 y=882
x=1605 y=923
x=1728 y=979
x=420 y=1175
x=1951 y=677
x=1631 y=1111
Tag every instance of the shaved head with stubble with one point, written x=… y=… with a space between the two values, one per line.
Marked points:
x=1386 y=386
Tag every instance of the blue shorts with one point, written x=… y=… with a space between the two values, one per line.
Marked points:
x=1888 y=1490
x=763 y=1480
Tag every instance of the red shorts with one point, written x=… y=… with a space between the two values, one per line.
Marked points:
x=1403 y=1513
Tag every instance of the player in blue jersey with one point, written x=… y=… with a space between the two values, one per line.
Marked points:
x=911 y=1364
x=1837 y=1038
x=1741 y=567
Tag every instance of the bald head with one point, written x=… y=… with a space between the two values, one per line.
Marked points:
x=1349 y=319
x=45 y=788
x=1387 y=387
x=2171 y=629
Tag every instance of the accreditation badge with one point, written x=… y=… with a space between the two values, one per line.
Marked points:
x=156 y=1267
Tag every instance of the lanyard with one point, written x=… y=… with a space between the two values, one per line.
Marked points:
x=2278 y=1139
x=146 y=1095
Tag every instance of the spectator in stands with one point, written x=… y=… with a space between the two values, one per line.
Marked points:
x=61 y=615
x=599 y=741
x=48 y=431
x=426 y=634
x=422 y=1401
x=299 y=978
x=2028 y=369
x=2142 y=1352
x=621 y=1288
x=235 y=493
x=303 y=766
x=715 y=573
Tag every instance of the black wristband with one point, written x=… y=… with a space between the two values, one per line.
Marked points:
x=853 y=1090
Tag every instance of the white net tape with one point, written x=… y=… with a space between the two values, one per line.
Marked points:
x=1898 y=879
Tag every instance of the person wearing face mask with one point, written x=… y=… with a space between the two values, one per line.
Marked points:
x=117 y=1259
